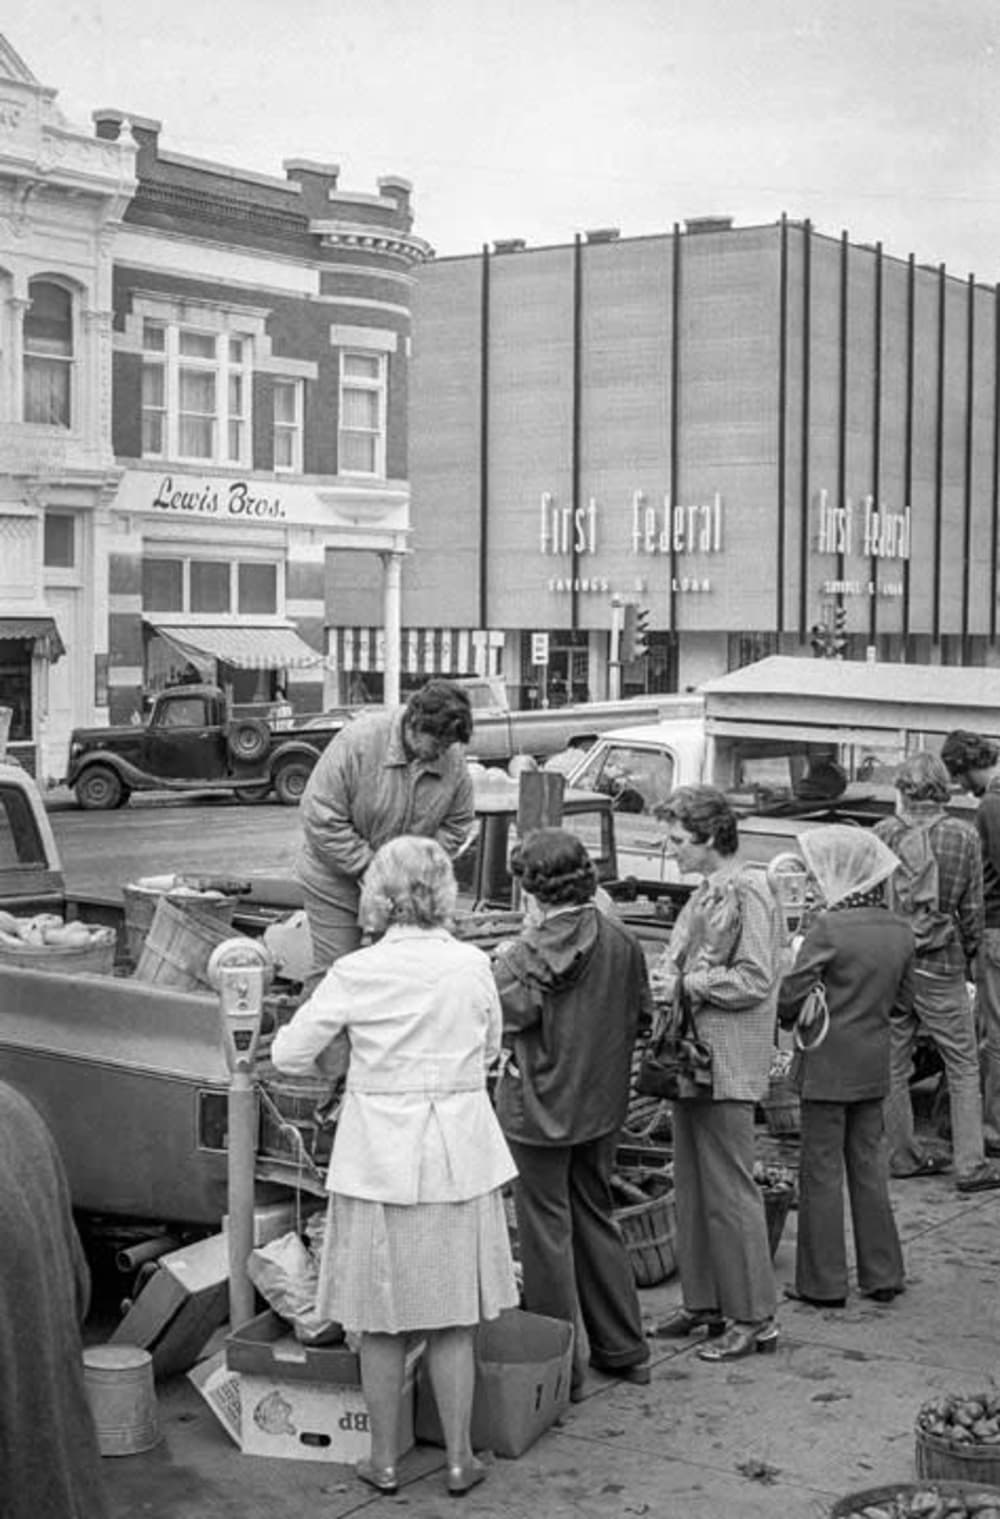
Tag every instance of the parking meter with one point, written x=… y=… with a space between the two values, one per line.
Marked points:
x=240 y=970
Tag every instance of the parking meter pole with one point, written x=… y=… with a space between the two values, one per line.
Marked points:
x=242 y=1154
x=240 y=969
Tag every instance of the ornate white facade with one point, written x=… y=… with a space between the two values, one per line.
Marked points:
x=62 y=195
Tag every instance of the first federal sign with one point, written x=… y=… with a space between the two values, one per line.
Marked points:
x=539 y=648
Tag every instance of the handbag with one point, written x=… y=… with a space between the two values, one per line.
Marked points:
x=816 y=1024
x=677 y=1062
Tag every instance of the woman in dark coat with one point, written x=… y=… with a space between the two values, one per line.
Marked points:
x=573 y=988
x=50 y=1467
x=863 y=956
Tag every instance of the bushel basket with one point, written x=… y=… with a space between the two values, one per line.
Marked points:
x=650 y=1233
x=893 y=1498
x=782 y=1107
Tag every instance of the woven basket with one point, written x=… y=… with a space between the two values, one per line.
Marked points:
x=937 y=1456
x=94 y=959
x=782 y=1108
x=650 y=1234
x=870 y=1497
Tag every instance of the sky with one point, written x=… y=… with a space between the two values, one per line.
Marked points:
x=541 y=119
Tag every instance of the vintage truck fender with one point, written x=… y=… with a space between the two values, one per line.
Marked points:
x=128 y=776
x=292 y=763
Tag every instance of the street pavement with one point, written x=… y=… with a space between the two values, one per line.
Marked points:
x=781 y=1435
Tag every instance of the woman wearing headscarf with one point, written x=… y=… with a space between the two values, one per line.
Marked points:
x=862 y=954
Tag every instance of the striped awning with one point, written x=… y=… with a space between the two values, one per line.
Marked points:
x=423 y=651
x=40 y=632
x=245 y=648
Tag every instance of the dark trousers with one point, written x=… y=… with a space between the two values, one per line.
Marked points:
x=839 y=1138
x=572 y=1252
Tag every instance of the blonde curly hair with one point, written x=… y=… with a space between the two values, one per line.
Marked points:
x=410 y=881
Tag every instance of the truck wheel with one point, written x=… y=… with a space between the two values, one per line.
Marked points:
x=248 y=739
x=290 y=782
x=252 y=796
x=99 y=789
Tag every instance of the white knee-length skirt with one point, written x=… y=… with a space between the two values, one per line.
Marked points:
x=388 y=1268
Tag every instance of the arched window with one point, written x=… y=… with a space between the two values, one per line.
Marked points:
x=48 y=354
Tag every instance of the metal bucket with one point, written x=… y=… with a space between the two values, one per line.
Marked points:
x=119 y=1384
x=179 y=944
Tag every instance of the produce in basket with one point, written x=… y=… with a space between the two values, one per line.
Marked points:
x=928 y=1502
x=47 y=931
x=967 y=1419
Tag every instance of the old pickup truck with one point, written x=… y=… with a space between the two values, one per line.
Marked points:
x=131 y=1076
x=501 y=734
x=772 y=736
x=190 y=741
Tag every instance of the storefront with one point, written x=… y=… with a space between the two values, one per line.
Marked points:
x=220 y=568
x=760 y=439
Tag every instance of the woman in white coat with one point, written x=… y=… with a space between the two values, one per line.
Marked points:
x=416 y=1238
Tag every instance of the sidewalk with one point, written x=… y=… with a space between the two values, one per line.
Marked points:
x=771 y=1437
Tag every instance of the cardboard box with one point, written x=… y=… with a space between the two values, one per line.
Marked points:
x=185 y=1299
x=275 y=1397
x=524 y=1363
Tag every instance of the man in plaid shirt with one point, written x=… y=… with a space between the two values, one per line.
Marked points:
x=974 y=761
x=941 y=1006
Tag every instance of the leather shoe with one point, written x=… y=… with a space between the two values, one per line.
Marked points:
x=381 y=1478
x=639 y=1374
x=686 y=1320
x=884 y=1294
x=742 y=1340
x=985 y=1178
x=462 y=1478
x=795 y=1296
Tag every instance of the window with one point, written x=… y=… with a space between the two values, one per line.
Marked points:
x=60 y=541
x=258 y=588
x=196 y=388
x=210 y=591
x=361 y=443
x=288 y=426
x=162 y=585
x=48 y=355
x=210 y=587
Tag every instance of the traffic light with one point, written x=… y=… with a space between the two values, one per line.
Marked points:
x=839 y=640
x=640 y=642
x=635 y=633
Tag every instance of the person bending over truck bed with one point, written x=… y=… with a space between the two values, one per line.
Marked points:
x=396 y=772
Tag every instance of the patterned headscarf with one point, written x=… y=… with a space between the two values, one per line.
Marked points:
x=849 y=865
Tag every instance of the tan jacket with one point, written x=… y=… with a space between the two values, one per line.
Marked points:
x=365 y=791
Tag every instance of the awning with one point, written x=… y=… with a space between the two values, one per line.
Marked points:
x=423 y=651
x=41 y=632
x=246 y=647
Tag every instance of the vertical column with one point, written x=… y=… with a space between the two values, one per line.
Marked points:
x=17 y=305
x=392 y=580
x=305 y=607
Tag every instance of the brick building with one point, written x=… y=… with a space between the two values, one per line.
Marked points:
x=261 y=355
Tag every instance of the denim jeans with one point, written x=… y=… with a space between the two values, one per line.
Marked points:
x=941 y=1009
x=988 y=1018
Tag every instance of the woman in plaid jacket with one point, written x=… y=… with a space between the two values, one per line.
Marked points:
x=728 y=946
